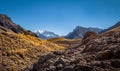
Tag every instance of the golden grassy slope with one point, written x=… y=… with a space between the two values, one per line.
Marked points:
x=116 y=29
x=19 y=51
x=63 y=41
x=112 y=30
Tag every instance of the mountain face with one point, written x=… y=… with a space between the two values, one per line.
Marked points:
x=112 y=27
x=46 y=34
x=79 y=32
x=6 y=24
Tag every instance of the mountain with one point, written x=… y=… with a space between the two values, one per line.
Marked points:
x=6 y=24
x=110 y=28
x=79 y=32
x=46 y=34
x=19 y=49
x=94 y=53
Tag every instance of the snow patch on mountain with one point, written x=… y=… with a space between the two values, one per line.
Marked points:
x=46 y=34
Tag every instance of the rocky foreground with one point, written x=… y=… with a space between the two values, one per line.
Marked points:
x=95 y=53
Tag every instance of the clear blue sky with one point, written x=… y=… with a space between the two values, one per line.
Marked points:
x=61 y=16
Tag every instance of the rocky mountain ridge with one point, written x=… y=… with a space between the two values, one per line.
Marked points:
x=79 y=32
x=110 y=28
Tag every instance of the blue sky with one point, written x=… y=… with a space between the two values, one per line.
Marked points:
x=61 y=16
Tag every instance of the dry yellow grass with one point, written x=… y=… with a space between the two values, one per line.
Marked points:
x=18 y=51
x=116 y=29
x=113 y=30
x=63 y=41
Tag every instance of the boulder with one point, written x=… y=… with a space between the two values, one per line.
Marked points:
x=82 y=68
x=59 y=67
x=88 y=34
x=105 y=55
x=60 y=63
x=68 y=68
x=46 y=57
x=58 y=52
x=88 y=38
x=51 y=68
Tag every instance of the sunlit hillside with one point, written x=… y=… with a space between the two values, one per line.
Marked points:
x=63 y=41
x=112 y=30
x=19 y=51
x=116 y=29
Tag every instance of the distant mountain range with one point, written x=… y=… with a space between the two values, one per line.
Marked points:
x=79 y=32
x=46 y=34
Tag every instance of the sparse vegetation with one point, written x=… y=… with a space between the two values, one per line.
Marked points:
x=63 y=41
x=116 y=29
x=19 y=51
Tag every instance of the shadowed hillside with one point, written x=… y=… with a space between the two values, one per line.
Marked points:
x=6 y=24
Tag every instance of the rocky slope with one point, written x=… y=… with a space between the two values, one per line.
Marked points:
x=6 y=24
x=79 y=32
x=95 y=53
x=19 y=49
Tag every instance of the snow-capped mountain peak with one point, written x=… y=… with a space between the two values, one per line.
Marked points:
x=46 y=34
x=40 y=31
